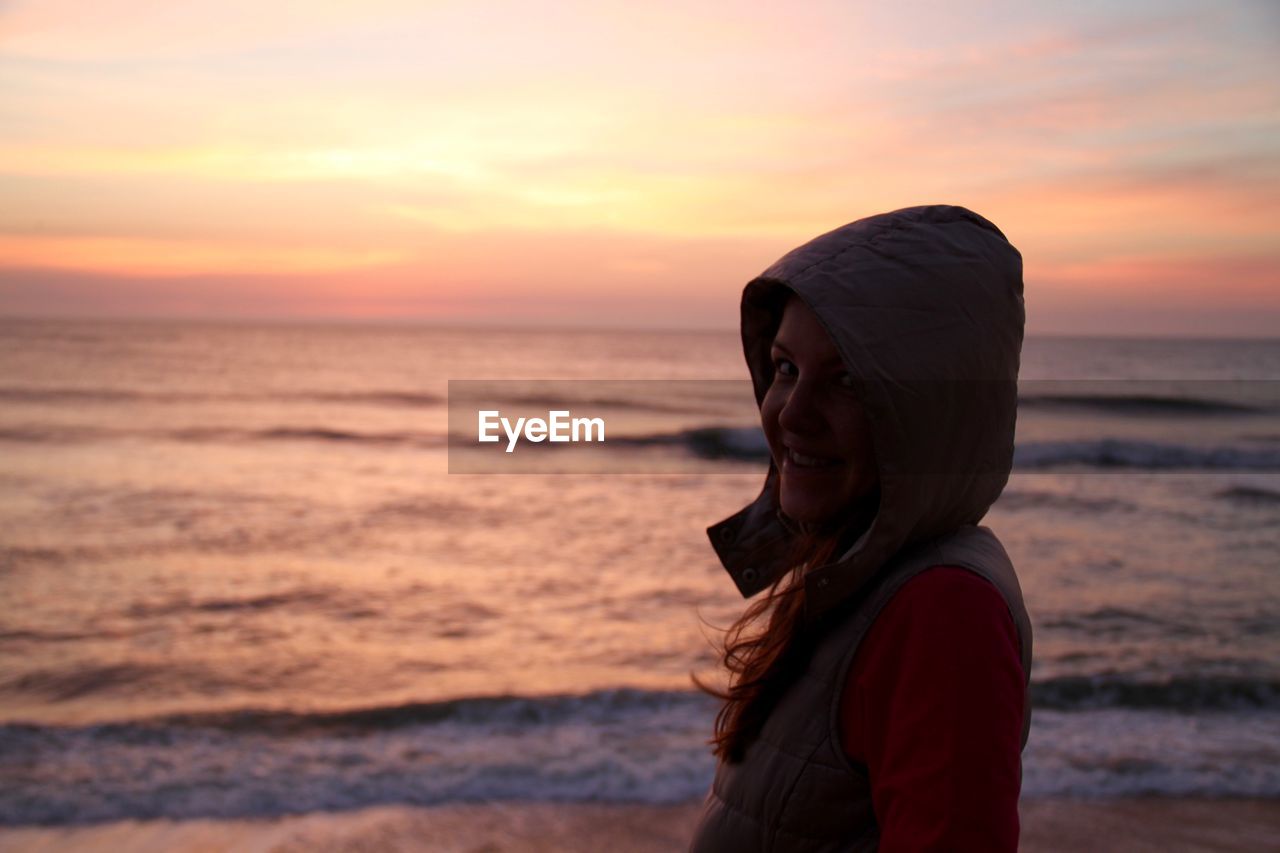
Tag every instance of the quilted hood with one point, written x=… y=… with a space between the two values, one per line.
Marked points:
x=925 y=307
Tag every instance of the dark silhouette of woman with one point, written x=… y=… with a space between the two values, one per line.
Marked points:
x=877 y=693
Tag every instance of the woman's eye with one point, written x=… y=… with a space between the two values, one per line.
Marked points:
x=787 y=367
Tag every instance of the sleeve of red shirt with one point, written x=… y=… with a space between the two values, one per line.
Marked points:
x=933 y=708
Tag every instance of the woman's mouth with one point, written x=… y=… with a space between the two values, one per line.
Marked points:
x=796 y=459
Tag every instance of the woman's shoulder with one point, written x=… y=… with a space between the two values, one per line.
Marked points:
x=942 y=585
x=946 y=634
x=944 y=610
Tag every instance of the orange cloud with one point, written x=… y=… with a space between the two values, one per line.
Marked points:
x=1248 y=280
x=173 y=257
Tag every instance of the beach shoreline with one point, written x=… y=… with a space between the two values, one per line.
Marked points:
x=1049 y=824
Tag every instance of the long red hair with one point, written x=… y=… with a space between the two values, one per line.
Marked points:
x=765 y=649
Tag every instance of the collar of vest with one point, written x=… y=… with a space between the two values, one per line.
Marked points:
x=755 y=546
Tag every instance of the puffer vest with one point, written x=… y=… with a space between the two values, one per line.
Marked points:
x=795 y=789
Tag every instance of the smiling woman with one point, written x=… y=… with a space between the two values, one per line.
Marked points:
x=878 y=689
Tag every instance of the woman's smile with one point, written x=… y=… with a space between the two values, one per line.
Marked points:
x=808 y=462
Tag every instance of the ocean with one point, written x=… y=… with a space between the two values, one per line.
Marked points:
x=239 y=579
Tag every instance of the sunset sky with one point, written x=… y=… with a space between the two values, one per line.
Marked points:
x=623 y=163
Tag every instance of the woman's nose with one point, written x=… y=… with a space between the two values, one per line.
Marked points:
x=800 y=413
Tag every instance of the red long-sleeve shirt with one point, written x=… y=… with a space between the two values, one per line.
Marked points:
x=933 y=708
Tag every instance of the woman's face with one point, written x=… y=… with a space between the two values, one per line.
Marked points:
x=816 y=427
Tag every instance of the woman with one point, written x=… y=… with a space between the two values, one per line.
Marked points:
x=877 y=693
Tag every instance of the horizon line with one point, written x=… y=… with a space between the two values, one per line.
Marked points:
x=506 y=325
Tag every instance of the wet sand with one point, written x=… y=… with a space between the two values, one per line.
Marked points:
x=1051 y=825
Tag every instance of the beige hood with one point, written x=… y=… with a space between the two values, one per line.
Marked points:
x=925 y=306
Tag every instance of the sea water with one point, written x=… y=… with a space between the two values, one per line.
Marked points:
x=236 y=577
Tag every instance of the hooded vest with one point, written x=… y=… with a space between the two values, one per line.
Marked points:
x=795 y=789
x=925 y=307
